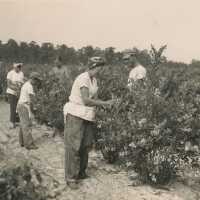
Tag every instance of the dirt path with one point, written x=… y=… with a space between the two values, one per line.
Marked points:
x=106 y=182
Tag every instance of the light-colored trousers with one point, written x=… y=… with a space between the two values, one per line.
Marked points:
x=25 y=136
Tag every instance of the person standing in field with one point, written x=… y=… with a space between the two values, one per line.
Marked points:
x=15 y=80
x=60 y=71
x=137 y=72
x=25 y=110
x=79 y=114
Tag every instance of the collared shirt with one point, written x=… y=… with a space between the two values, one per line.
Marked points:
x=16 y=78
x=26 y=91
x=24 y=99
x=76 y=106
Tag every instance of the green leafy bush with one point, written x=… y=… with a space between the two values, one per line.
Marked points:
x=3 y=75
x=16 y=183
x=50 y=100
x=147 y=130
x=153 y=128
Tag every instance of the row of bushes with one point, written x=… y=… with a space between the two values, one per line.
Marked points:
x=154 y=128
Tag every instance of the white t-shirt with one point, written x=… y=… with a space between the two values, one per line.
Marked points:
x=76 y=106
x=137 y=73
x=15 y=78
x=26 y=91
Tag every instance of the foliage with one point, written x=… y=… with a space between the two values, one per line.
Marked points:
x=148 y=130
x=50 y=99
x=2 y=78
x=152 y=128
x=16 y=183
x=46 y=53
x=156 y=56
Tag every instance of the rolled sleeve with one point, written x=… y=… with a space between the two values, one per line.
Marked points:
x=84 y=82
x=9 y=76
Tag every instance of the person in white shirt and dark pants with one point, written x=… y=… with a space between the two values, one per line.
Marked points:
x=15 y=80
x=79 y=114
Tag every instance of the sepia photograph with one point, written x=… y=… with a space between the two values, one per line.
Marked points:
x=99 y=100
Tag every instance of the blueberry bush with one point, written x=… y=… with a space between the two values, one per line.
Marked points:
x=21 y=182
x=154 y=127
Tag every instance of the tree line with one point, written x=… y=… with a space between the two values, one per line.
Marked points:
x=46 y=53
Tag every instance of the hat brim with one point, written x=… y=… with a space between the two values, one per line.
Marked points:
x=95 y=65
x=37 y=78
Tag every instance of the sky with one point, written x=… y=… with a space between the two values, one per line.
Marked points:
x=121 y=24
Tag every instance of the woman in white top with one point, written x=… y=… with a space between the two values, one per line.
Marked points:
x=79 y=114
x=15 y=79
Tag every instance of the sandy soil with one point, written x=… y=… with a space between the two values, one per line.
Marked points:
x=106 y=182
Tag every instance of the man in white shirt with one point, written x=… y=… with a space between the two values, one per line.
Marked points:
x=138 y=72
x=15 y=79
x=25 y=108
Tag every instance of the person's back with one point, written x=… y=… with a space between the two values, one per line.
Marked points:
x=138 y=73
x=26 y=90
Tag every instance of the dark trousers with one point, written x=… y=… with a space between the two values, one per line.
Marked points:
x=79 y=136
x=84 y=155
x=13 y=105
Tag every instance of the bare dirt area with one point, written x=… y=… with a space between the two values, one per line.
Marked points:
x=107 y=182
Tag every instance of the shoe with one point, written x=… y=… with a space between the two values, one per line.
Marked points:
x=82 y=176
x=12 y=125
x=32 y=147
